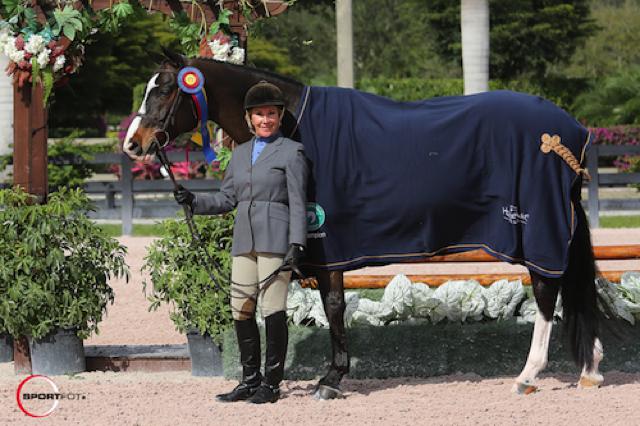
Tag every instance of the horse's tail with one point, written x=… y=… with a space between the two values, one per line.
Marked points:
x=580 y=312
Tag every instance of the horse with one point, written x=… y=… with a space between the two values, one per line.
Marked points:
x=519 y=159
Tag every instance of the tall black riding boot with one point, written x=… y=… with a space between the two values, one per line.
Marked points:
x=277 y=339
x=249 y=343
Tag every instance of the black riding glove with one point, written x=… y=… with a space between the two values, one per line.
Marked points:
x=184 y=196
x=292 y=259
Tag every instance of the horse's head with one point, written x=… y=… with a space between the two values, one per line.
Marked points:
x=165 y=113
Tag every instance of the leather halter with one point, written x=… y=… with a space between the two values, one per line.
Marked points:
x=168 y=119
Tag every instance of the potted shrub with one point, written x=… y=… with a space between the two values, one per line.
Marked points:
x=6 y=345
x=55 y=265
x=198 y=308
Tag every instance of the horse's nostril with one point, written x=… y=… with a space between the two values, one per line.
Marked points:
x=134 y=148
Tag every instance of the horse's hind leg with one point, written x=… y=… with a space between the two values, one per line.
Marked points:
x=332 y=292
x=545 y=291
x=591 y=377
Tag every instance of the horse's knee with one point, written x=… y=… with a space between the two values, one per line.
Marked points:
x=335 y=301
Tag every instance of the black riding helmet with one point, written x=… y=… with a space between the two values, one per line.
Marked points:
x=263 y=93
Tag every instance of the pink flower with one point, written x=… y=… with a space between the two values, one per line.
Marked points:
x=20 y=42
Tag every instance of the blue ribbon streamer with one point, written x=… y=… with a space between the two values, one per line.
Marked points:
x=200 y=99
x=203 y=113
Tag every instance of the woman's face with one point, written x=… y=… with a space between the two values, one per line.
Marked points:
x=265 y=120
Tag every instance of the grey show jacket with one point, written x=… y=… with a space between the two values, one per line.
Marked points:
x=270 y=197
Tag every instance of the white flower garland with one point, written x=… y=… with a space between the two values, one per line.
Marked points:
x=23 y=49
x=223 y=50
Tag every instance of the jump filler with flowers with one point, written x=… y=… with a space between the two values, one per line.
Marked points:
x=41 y=55
x=222 y=47
x=44 y=41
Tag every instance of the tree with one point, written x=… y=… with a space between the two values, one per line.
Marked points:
x=474 y=30
x=267 y=56
x=113 y=65
x=308 y=33
x=613 y=101
x=612 y=49
x=391 y=39
x=527 y=36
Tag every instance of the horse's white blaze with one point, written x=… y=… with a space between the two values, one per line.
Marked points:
x=133 y=127
x=539 y=351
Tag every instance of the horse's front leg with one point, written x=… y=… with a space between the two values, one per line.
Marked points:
x=545 y=291
x=332 y=293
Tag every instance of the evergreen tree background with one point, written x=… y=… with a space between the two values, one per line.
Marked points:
x=101 y=91
x=576 y=53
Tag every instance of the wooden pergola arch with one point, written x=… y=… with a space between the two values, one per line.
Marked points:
x=30 y=115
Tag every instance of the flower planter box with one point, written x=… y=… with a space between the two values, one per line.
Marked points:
x=6 y=348
x=60 y=352
x=206 y=357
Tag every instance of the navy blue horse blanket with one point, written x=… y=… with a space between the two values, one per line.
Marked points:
x=396 y=181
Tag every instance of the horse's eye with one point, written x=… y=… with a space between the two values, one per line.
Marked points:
x=166 y=91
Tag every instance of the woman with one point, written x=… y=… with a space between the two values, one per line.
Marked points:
x=266 y=182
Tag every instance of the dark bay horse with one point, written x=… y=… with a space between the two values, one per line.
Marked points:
x=501 y=172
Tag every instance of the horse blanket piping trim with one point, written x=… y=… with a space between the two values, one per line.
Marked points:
x=454 y=120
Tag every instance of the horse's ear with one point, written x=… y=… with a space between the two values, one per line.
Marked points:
x=175 y=58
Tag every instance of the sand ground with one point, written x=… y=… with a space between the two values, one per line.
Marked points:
x=179 y=398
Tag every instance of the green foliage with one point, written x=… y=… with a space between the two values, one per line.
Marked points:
x=189 y=33
x=620 y=221
x=308 y=33
x=561 y=91
x=558 y=89
x=614 y=47
x=224 y=156
x=55 y=264
x=139 y=229
x=266 y=55
x=613 y=100
x=222 y=23
x=68 y=175
x=391 y=39
x=68 y=21
x=527 y=36
x=114 y=64
x=69 y=161
x=411 y=89
x=178 y=277
x=120 y=12
x=138 y=96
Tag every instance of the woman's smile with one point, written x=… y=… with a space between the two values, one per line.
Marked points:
x=265 y=120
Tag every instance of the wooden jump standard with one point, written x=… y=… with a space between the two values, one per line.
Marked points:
x=621 y=252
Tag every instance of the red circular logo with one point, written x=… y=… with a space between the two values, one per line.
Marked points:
x=30 y=390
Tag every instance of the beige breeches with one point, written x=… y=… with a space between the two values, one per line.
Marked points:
x=246 y=271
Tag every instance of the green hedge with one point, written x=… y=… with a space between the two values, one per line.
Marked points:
x=493 y=348
x=561 y=91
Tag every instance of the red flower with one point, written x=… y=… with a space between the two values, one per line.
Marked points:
x=19 y=42
x=221 y=37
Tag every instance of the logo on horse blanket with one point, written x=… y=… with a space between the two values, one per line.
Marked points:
x=402 y=180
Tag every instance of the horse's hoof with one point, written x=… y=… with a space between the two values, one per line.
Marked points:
x=593 y=382
x=326 y=392
x=523 y=388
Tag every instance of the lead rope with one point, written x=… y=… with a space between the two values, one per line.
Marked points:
x=195 y=235
x=188 y=213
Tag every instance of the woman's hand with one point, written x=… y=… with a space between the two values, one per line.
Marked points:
x=292 y=259
x=183 y=196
